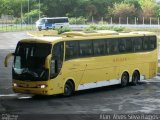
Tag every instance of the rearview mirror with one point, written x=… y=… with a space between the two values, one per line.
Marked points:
x=8 y=56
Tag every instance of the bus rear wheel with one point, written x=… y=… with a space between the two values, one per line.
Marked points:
x=124 y=79
x=135 y=78
x=68 y=89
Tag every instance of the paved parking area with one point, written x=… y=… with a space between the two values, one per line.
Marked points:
x=8 y=40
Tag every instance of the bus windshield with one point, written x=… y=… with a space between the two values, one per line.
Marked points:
x=41 y=21
x=29 y=61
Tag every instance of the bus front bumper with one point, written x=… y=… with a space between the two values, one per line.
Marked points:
x=37 y=88
x=36 y=91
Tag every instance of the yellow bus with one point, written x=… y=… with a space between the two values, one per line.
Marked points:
x=82 y=60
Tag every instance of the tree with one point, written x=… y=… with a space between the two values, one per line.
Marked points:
x=59 y=7
x=85 y=8
x=148 y=8
x=136 y=3
x=91 y=10
x=33 y=16
x=6 y=7
x=157 y=11
x=123 y=10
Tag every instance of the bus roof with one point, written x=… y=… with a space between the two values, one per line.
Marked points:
x=87 y=35
x=42 y=39
x=106 y=33
x=90 y=33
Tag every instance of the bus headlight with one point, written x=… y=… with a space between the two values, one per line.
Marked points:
x=14 y=84
x=42 y=86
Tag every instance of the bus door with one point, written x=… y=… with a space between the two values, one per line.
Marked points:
x=57 y=60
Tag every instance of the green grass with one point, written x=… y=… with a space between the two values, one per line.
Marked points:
x=155 y=30
x=4 y=28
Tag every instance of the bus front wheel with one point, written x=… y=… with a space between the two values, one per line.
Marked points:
x=68 y=89
x=124 y=79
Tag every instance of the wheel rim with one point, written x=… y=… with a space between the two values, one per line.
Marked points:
x=135 y=79
x=124 y=80
x=67 y=90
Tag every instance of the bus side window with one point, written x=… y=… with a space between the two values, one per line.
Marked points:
x=113 y=46
x=85 y=48
x=71 y=49
x=129 y=45
x=137 y=44
x=122 y=45
x=106 y=47
x=99 y=47
x=153 y=43
x=146 y=43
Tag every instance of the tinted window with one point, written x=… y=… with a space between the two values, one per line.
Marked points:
x=56 y=20
x=57 y=57
x=71 y=49
x=85 y=48
x=146 y=43
x=30 y=58
x=106 y=47
x=49 y=21
x=129 y=45
x=122 y=45
x=137 y=44
x=152 y=43
x=99 y=47
x=58 y=51
x=61 y=20
x=113 y=46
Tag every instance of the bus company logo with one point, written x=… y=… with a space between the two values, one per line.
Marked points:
x=120 y=59
x=9 y=117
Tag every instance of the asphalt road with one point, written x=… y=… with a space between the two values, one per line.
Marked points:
x=143 y=98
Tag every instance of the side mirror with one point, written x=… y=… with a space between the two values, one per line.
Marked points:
x=47 y=61
x=9 y=55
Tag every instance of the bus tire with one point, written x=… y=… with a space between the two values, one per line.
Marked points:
x=135 y=78
x=124 y=79
x=39 y=29
x=68 y=89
